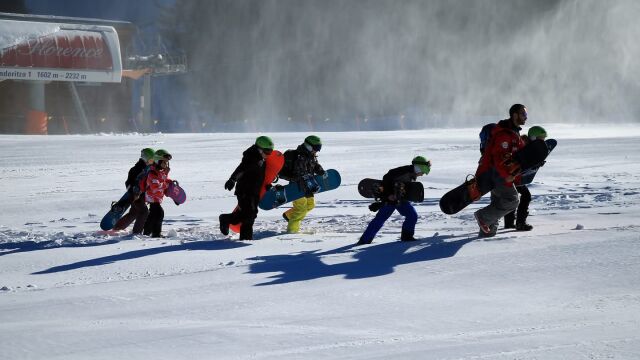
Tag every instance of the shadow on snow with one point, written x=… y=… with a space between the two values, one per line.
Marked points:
x=25 y=246
x=197 y=245
x=371 y=261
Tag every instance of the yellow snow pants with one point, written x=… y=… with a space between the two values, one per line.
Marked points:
x=299 y=210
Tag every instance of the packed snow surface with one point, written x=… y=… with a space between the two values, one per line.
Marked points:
x=569 y=289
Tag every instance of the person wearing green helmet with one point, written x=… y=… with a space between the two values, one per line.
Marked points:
x=300 y=166
x=247 y=179
x=517 y=219
x=392 y=184
x=537 y=133
x=138 y=211
x=154 y=186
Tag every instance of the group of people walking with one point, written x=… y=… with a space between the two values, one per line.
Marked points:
x=299 y=164
x=146 y=183
x=148 y=180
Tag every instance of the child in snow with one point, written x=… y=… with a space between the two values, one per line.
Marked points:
x=299 y=165
x=392 y=200
x=154 y=186
x=249 y=176
x=139 y=210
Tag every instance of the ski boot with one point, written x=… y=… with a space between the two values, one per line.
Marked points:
x=523 y=226
x=485 y=230
x=405 y=236
x=521 y=222
x=224 y=224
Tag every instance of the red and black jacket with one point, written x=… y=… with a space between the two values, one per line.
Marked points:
x=504 y=141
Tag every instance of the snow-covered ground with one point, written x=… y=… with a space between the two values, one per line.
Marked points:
x=569 y=289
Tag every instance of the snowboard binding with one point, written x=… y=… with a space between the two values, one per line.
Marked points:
x=472 y=187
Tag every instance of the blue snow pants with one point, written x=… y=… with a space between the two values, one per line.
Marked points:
x=404 y=208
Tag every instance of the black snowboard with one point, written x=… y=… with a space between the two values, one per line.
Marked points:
x=372 y=189
x=529 y=157
x=529 y=175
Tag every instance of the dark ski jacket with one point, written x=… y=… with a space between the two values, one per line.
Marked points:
x=402 y=174
x=504 y=141
x=134 y=176
x=249 y=175
x=298 y=163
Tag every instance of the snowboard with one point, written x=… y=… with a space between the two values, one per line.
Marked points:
x=279 y=195
x=528 y=175
x=372 y=188
x=273 y=164
x=176 y=193
x=117 y=210
x=529 y=157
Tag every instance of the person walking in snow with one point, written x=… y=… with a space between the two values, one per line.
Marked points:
x=154 y=186
x=503 y=142
x=300 y=166
x=517 y=219
x=139 y=211
x=392 y=199
x=247 y=179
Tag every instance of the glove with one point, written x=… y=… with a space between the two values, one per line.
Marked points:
x=230 y=184
x=376 y=206
x=267 y=187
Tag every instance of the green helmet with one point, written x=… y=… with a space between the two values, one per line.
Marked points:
x=536 y=132
x=161 y=155
x=264 y=143
x=314 y=142
x=422 y=163
x=147 y=154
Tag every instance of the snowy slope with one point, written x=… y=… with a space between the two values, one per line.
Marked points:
x=567 y=290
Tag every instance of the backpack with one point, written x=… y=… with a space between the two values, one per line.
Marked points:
x=287 y=171
x=485 y=134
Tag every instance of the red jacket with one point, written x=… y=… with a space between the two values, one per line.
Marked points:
x=504 y=141
x=155 y=184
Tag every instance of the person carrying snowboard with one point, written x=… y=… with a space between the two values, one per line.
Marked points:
x=139 y=210
x=154 y=186
x=392 y=199
x=503 y=142
x=518 y=219
x=300 y=166
x=247 y=179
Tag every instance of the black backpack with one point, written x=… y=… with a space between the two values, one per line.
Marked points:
x=287 y=171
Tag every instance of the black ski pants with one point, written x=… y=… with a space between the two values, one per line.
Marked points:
x=153 y=226
x=520 y=214
x=138 y=212
x=246 y=214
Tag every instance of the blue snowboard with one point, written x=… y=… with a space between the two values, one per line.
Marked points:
x=116 y=212
x=279 y=194
x=527 y=176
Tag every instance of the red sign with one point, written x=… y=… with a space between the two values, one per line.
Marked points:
x=66 y=49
